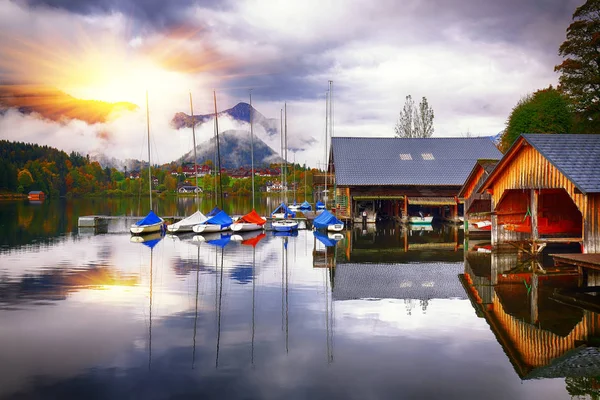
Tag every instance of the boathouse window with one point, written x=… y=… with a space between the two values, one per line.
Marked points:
x=427 y=156
x=405 y=157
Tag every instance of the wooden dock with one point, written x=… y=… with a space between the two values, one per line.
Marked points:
x=590 y=261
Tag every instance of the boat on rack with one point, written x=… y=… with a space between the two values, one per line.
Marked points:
x=420 y=219
x=249 y=222
x=217 y=223
x=328 y=221
x=186 y=224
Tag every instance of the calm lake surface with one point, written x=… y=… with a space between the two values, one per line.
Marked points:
x=382 y=313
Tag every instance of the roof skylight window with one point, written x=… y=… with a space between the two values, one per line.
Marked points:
x=427 y=156
x=405 y=157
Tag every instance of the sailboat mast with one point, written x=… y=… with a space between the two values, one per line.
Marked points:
x=195 y=156
x=218 y=148
x=252 y=146
x=149 y=163
x=331 y=136
x=281 y=137
x=305 y=180
x=286 y=149
x=326 y=129
x=215 y=161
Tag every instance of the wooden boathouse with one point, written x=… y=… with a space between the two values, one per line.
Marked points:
x=477 y=206
x=546 y=189
x=395 y=178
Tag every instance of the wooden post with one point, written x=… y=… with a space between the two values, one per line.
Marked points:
x=534 y=214
x=405 y=210
x=495 y=230
x=455 y=216
x=348 y=203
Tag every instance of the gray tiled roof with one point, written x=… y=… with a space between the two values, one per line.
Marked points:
x=576 y=156
x=433 y=161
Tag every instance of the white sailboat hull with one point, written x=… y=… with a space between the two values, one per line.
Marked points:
x=245 y=226
x=143 y=229
x=208 y=228
x=285 y=225
x=186 y=224
x=420 y=220
x=335 y=227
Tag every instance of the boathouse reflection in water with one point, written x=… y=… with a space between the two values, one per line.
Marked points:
x=541 y=336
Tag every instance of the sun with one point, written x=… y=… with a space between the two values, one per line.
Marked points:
x=108 y=68
x=120 y=80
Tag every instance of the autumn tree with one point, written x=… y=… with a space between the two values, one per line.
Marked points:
x=25 y=179
x=415 y=122
x=545 y=111
x=580 y=69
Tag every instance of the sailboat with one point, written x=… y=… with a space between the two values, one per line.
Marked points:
x=251 y=221
x=219 y=221
x=284 y=224
x=186 y=224
x=151 y=222
x=328 y=221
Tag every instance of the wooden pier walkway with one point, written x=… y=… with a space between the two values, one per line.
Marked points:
x=590 y=261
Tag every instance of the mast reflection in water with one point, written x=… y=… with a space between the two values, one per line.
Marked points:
x=371 y=314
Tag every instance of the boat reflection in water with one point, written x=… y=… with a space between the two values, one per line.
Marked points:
x=523 y=302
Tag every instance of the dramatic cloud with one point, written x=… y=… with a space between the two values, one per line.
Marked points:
x=472 y=60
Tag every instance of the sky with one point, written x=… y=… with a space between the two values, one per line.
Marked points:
x=472 y=59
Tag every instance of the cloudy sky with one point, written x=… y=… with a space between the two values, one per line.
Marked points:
x=472 y=59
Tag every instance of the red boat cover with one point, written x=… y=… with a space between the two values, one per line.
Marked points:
x=252 y=218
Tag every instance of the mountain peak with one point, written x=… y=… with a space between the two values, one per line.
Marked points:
x=239 y=112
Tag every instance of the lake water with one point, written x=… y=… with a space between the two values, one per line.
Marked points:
x=381 y=314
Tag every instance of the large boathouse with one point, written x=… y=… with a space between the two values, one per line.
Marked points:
x=395 y=178
x=546 y=188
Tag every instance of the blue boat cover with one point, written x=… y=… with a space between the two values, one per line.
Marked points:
x=221 y=218
x=323 y=238
x=324 y=219
x=213 y=212
x=305 y=206
x=150 y=219
x=320 y=205
x=221 y=242
x=283 y=209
